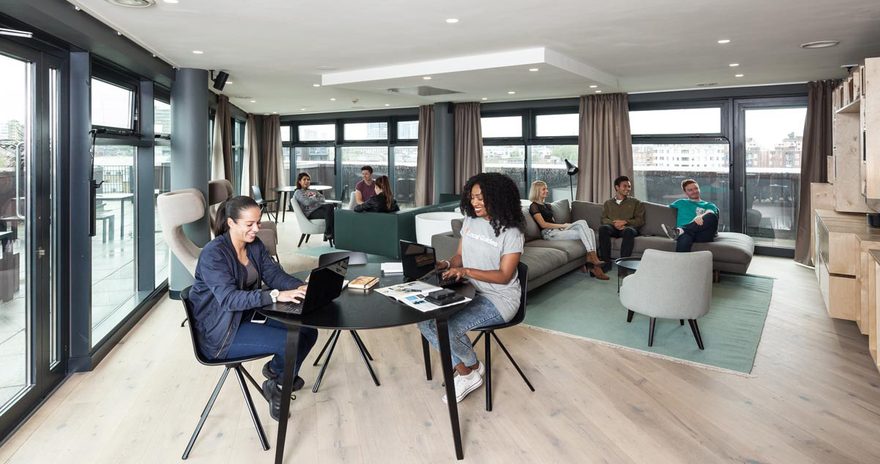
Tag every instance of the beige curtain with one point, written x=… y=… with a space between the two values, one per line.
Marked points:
x=468 y=151
x=250 y=165
x=816 y=147
x=270 y=146
x=221 y=156
x=425 y=160
x=604 y=145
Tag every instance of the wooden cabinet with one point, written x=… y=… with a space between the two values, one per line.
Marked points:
x=856 y=157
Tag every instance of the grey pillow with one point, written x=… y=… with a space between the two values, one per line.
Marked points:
x=561 y=211
x=456 y=227
x=655 y=215
x=533 y=232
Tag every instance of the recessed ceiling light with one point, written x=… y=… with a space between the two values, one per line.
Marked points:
x=388 y=104
x=484 y=98
x=511 y=92
x=724 y=41
x=738 y=75
x=593 y=86
x=133 y=3
x=598 y=91
x=198 y=52
x=76 y=8
x=229 y=82
x=451 y=20
x=118 y=33
x=316 y=85
x=302 y=109
x=332 y=99
x=533 y=69
x=253 y=101
x=821 y=44
x=274 y=112
x=427 y=78
x=154 y=55
x=733 y=65
x=170 y=1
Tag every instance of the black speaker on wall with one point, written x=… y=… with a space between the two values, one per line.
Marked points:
x=220 y=80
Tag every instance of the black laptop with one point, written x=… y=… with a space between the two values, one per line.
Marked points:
x=325 y=284
x=419 y=263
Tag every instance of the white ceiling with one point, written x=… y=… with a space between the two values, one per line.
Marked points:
x=275 y=50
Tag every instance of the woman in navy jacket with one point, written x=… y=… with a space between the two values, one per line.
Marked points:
x=227 y=289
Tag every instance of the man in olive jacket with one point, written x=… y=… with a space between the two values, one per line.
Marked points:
x=622 y=216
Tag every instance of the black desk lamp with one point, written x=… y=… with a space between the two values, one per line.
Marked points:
x=571 y=170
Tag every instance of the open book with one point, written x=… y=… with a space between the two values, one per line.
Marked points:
x=413 y=295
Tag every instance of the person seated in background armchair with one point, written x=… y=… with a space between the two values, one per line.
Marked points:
x=313 y=204
x=550 y=230
x=382 y=202
x=622 y=216
x=364 y=189
x=697 y=220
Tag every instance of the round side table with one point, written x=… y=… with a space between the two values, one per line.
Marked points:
x=430 y=224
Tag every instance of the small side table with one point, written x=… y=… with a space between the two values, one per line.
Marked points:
x=625 y=267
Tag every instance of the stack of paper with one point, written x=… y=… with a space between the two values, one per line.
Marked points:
x=392 y=268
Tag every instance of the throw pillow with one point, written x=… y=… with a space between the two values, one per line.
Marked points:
x=561 y=211
x=654 y=216
x=533 y=232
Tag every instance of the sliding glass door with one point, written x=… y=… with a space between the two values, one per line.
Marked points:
x=31 y=342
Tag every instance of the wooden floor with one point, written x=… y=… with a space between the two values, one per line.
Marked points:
x=813 y=397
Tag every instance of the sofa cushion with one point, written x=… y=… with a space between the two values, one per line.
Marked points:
x=643 y=243
x=574 y=249
x=656 y=214
x=542 y=260
x=561 y=211
x=532 y=231
x=730 y=247
x=588 y=211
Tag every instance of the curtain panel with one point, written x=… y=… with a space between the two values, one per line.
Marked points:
x=250 y=166
x=604 y=145
x=425 y=159
x=468 y=147
x=816 y=147
x=221 y=156
x=270 y=147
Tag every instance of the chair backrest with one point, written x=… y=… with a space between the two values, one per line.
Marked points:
x=354 y=257
x=522 y=271
x=268 y=234
x=218 y=191
x=670 y=285
x=193 y=335
x=353 y=201
x=258 y=194
x=306 y=225
x=344 y=194
x=175 y=209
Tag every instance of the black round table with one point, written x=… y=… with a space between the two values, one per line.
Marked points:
x=359 y=310
x=625 y=267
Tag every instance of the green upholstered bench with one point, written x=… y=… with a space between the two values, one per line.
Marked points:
x=380 y=233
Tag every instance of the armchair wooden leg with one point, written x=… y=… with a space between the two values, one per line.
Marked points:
x=681 y=322
x=716 y=276
x=696 y=330
x=651 y=331
x=301 y=238
x=629 y=315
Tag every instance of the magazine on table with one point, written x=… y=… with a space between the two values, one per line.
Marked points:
x=413 y=295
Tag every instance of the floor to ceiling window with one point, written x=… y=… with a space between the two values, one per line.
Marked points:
x=161 y=180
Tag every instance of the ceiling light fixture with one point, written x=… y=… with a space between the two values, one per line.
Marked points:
x=171 y=1
x=533 y=69
x=511 y=92
x=733 y=65
x=132 y=3
x=316 y=85
x=332 y=99
x=738 y=75
x=820 y=44
x=16 y=33
x=427 y=78
x=484 y=98
x=388 y=104
x=451 y=20
x=302 y=109
x=198 y=52
x=229 y=82
x=598 y=91
x=593 y=86
x=724 y=41
x=253 y=101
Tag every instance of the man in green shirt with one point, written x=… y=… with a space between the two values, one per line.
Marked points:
x=697 y=219
x=622 y=216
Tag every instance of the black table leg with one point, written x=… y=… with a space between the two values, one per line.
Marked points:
x=426 y=352
x=446 y=363
x=283 y=206
x=290 y=354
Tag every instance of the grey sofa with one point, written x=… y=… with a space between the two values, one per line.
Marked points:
x=547 y=260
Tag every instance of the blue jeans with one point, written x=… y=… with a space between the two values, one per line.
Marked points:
x=479 y=312
x=271 y=337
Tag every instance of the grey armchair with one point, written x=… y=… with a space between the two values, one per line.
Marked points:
x=672 y=286
x=177 y=208
x=307 y=226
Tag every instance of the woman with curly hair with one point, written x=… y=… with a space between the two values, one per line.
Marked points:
x=488 y=254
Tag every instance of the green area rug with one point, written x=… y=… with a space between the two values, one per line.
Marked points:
x=584 y=307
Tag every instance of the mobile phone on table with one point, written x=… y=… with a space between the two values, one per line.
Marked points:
x=258 y=318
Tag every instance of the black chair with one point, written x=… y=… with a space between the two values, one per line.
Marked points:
x=230 y=363
x=354 y=258
x=264 y=204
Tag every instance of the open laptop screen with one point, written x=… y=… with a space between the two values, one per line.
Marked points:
x=417 y=259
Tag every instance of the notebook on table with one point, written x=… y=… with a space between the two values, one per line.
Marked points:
x=325 y=285
x=419 y=263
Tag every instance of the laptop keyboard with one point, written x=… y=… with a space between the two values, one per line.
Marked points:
x=289 y=308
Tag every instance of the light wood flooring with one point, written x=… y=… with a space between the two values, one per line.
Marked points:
x=813 y=397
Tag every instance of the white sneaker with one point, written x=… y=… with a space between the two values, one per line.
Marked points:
x=465 y=384
x=481 y=368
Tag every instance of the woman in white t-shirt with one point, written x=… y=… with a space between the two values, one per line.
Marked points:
x=488 y=255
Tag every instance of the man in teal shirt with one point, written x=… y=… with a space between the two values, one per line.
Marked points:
x=697 y=219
